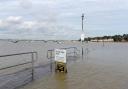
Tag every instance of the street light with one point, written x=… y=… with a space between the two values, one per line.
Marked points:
x=82 y=35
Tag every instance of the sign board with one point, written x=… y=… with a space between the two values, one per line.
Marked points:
x=82 y=37
x=60 y=55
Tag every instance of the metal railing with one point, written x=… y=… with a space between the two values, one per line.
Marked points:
x=70 y=50
x=30 y=62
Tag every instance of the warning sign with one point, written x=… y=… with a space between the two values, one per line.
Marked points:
x=60 y=55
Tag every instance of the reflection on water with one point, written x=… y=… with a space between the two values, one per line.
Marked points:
x=60 y=79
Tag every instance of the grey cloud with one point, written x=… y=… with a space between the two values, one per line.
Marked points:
x=18 y=26
x=53 y=18
x=26 y=4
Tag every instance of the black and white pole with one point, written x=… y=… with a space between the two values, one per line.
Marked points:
x=82 y=35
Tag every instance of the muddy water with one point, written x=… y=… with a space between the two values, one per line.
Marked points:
x=14 y=77
x=102 y=67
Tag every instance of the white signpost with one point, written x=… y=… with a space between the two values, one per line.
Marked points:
x=82 y=37
x=60 y=55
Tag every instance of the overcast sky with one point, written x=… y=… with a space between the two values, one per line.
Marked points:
x=61 y=19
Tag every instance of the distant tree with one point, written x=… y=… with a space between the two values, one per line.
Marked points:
x=125 y=36
x=79 y=39
x=104 y=37
x=89 y=39
x=117 y=38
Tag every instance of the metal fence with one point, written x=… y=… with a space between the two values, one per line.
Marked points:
x=33 y=55
x=71 y=51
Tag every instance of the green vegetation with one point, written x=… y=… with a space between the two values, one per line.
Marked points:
x=115 y=38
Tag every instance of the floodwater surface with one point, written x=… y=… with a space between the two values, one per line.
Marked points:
x=102 y=67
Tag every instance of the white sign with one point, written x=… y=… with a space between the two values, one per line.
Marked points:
x=60 y=55
x=82 y=37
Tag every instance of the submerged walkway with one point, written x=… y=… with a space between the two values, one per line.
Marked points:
x=101 y=68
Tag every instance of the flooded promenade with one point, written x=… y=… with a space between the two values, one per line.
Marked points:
x=102 y=66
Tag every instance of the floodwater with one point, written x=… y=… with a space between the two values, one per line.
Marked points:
x=102 y=66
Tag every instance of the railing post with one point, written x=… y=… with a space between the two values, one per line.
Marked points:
x=36 y=56
x=47 y=54
x=32 y=55
x=74 y=52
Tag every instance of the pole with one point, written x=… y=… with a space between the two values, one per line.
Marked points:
x=82 y=33
x=51 y=62
x=82 y=22
x=32 y=66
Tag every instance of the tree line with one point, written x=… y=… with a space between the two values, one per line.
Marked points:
x=116 y=38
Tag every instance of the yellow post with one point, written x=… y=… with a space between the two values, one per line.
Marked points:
x=60 y=67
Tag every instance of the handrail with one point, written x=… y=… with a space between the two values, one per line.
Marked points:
x=15 y=65
x=17 y=54
x=52 y=50
x=64 y=48
x=32 y=61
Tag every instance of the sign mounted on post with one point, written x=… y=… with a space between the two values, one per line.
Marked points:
x=60 y=55
x=82 y=37
x=60 y=60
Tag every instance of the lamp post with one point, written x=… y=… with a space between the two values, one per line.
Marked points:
x=82 y=35
x=82 y=21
